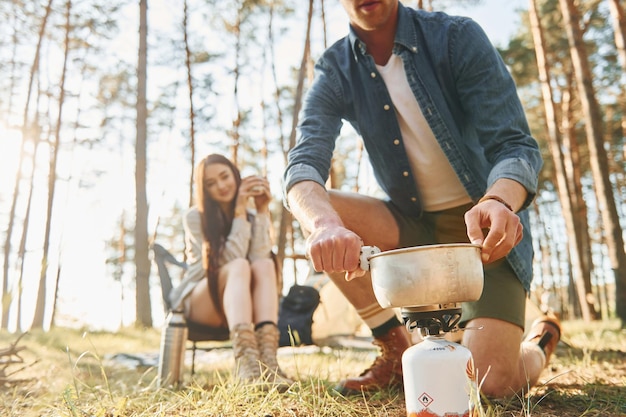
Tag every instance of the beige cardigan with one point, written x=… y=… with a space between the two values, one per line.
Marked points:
x=247 y=239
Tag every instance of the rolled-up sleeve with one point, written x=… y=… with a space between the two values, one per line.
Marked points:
x=298 y=173
x=519 y=170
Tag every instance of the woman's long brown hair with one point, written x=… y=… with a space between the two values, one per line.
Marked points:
x=216 y=224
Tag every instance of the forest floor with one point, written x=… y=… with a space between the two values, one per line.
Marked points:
x=65 y=372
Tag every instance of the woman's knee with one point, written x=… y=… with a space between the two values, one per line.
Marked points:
x=238 y=268
x=263 y=268
x=263 y=263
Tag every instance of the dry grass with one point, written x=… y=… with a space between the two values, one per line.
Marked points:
x=71 y=373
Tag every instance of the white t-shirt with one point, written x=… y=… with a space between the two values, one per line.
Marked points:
x=438 y=185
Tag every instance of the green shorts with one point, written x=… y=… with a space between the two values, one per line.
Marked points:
x=503 y=295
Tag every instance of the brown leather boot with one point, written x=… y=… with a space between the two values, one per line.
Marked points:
x=247 y=367
x=386 y=371
x=267 y=339
x=546 y=332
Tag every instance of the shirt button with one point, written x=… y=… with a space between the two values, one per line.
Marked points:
x=386 y=107
x=396 y=142
x=373 y=74
x=405 y=173
x=414 y=199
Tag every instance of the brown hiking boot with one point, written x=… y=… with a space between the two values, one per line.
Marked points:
x=246 y=352
x=546 y=332
x=386 y=371
x=267 y=340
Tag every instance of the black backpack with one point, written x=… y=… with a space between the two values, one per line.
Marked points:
x=295 y=315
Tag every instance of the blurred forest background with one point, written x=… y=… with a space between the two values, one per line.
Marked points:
x=106 y=106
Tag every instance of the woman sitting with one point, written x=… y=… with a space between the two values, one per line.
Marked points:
x=231 y=280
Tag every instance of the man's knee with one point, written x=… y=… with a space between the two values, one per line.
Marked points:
x=498 y=384
x=368 y=217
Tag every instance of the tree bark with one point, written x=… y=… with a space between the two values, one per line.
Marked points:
x=619 y=29
x=142 y=261
x=281 y=240
x=286 y=216
x=21 y=252
x=574 y=181
x=192 y=113
x=18 y=176
x=236 y=71
x=583 y=283
x=597 y=155
x=40 y=305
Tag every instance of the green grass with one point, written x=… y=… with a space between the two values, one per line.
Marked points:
x=70 y=373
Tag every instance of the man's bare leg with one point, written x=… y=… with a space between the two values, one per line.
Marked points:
x=373 y=222
x=369 y=218
x=508 y=365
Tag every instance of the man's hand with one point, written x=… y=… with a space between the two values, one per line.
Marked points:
x=504 y=229
x=335 y=249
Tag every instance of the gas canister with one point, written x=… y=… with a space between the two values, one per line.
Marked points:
x=439 y=379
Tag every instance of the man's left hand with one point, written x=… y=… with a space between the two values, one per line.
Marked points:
x=504 y=229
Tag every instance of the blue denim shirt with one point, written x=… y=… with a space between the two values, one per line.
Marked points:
x=466 y=94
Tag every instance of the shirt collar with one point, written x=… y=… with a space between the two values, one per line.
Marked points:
x=406 y=35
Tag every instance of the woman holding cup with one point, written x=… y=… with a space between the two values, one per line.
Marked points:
x=231 y=280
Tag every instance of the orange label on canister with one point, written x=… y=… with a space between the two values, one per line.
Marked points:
x=428 y=413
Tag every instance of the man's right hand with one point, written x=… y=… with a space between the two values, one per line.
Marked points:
x=335 y=249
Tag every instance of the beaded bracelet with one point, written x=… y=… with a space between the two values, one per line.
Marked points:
x=496 y=198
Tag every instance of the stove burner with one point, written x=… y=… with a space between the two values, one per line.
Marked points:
x=432 y=319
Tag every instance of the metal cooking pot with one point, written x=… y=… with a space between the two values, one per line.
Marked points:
x=425 y=275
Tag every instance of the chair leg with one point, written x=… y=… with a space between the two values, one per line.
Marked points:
x=193 y=359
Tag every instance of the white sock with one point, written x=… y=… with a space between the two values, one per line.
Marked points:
x=374 y=315
x=528 y=347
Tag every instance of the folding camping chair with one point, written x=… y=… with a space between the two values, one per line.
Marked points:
x=196 y=332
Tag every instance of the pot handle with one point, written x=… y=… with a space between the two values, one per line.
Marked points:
x=366 y=253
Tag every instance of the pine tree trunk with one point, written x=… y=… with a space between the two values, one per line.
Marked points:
x=236 y=72
x=142 y=261
x=21 y=252
x=574 y=180
x=286 y=216
x=583 y=283
x=597 y=155
x=192 y=112
x=619 y=29
x=40 y=305
x=16 y=189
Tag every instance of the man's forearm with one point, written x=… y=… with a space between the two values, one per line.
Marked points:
x=310 y=205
